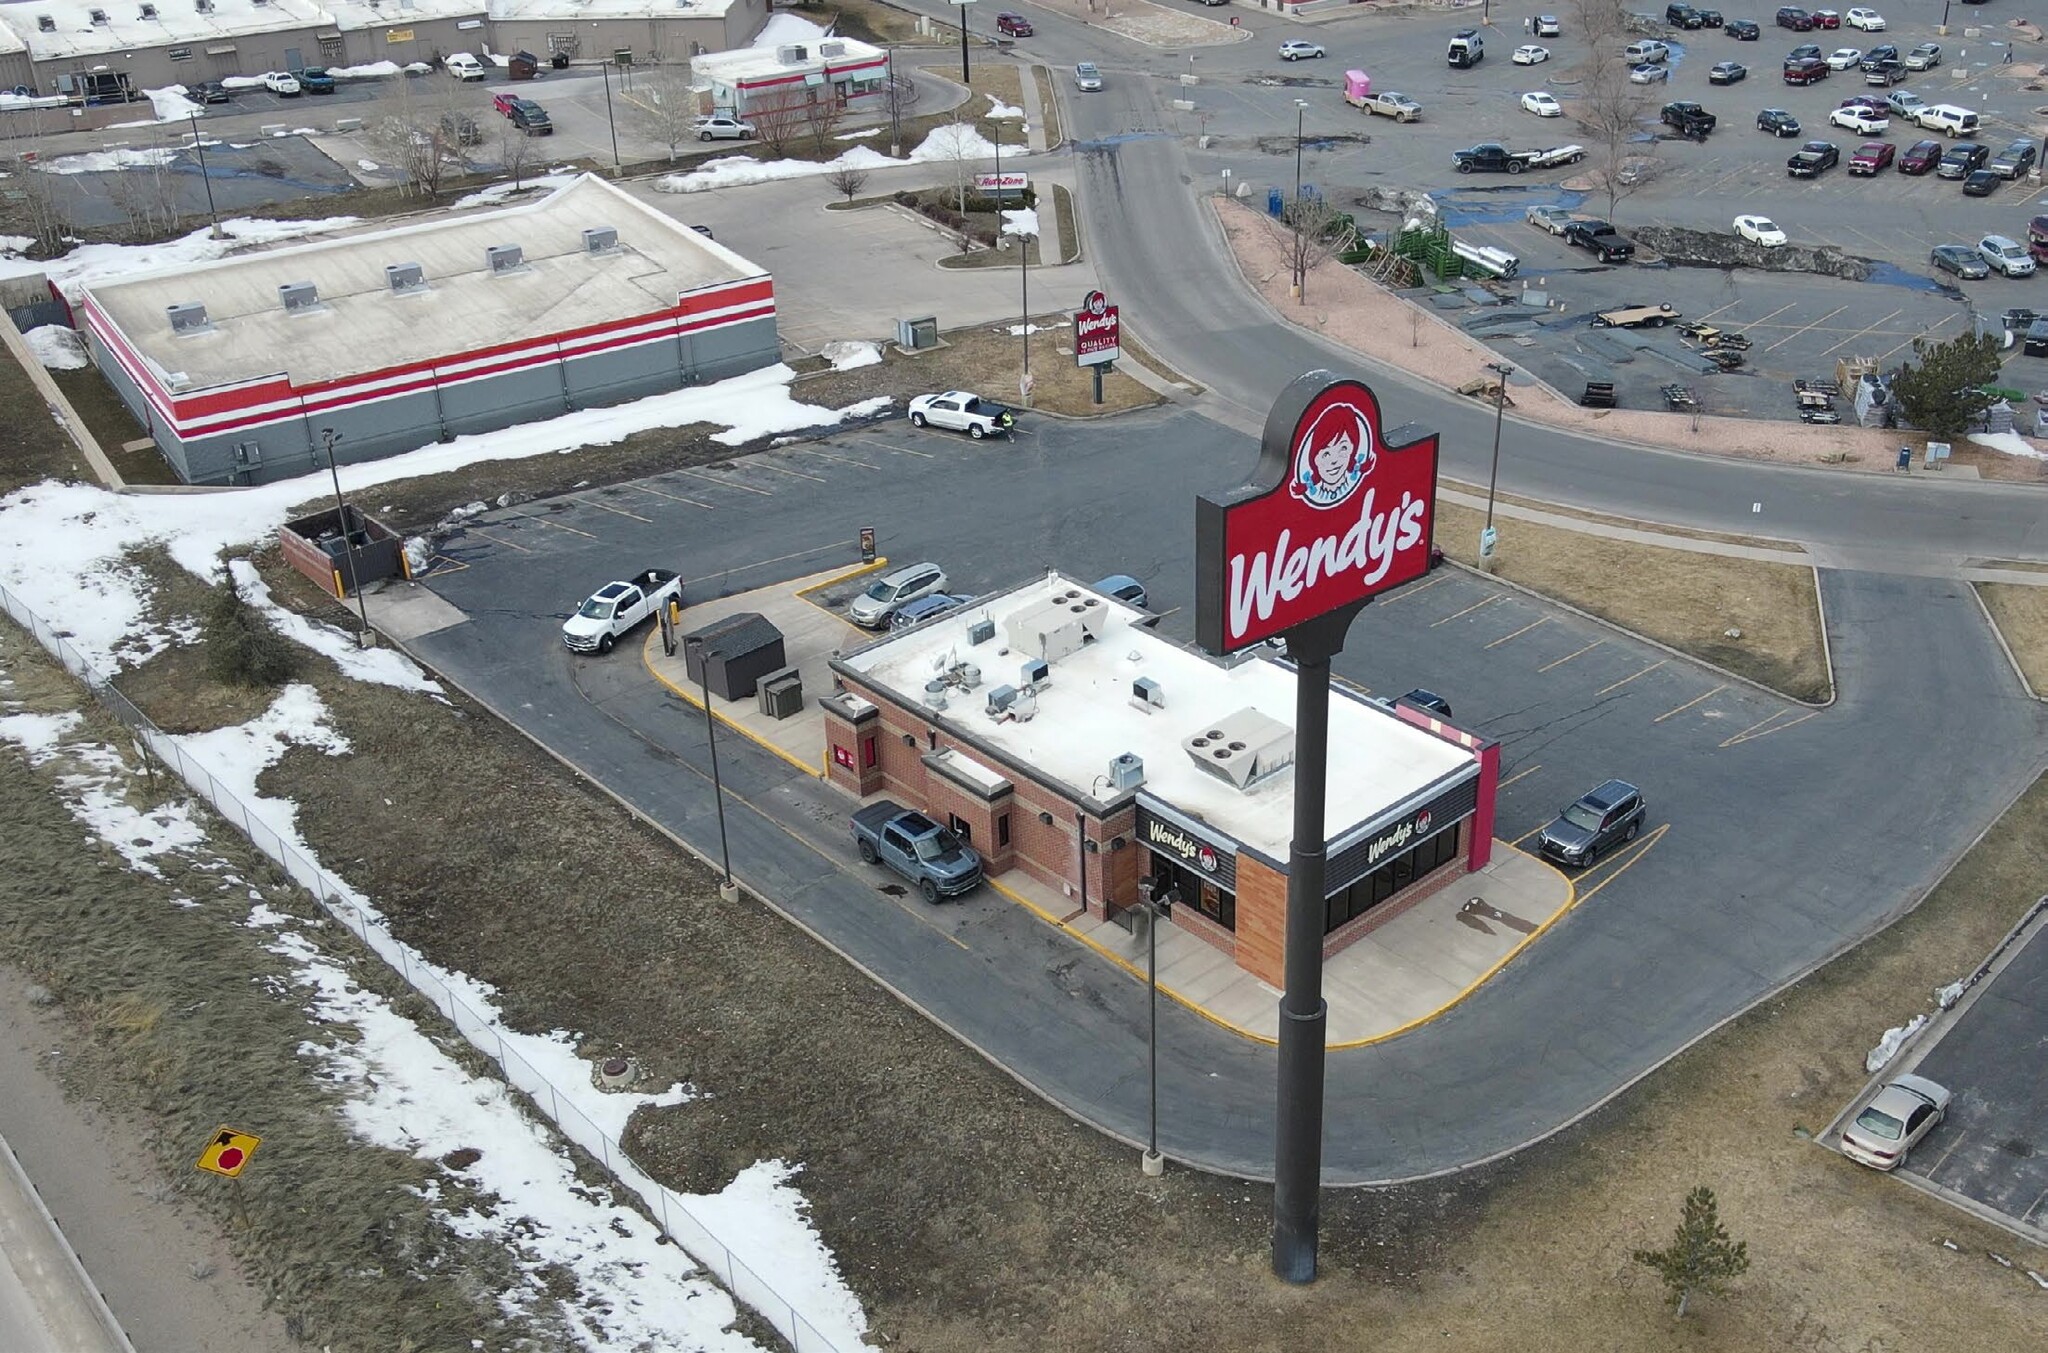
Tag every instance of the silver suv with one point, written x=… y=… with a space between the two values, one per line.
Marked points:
x=2006 y=255
x=894 y=590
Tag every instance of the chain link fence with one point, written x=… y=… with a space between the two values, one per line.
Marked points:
x=670 y=1210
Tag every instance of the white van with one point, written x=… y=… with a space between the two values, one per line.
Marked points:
x=463 y=66
x=1946 y=118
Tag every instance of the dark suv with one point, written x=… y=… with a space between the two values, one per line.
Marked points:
x=1798 y=20
x=1601 y=819
x=1963 y=159
x=1777 y=122
x=530 y=118
x=2015 y=160
x=1742 y=30
x=1682 y=16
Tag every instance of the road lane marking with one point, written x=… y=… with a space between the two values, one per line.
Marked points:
x=1750 y=734
x=1625 y=680
x=1517 y=775
x=1644 y=847
x=672 y=497
x=543 y=521
x=1482 y=602
x=592 y=502
x=1690 y=703
x=1519 y=633
x=1569 y=656
x=725 y=483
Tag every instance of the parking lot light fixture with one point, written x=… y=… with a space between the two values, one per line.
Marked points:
x=605 y=66
x=962 y=5
x=1300 y=272
x=328 y=437
x=728 y=890
x=1502 y=370
x=199 y=148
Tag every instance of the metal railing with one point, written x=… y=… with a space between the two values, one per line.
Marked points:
x=669 y=1209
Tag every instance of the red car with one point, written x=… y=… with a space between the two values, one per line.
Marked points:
x=1806 y=71
x=1920 y=157
x=1013 y=25
x=503 y=103
x=1826 y=18
x=1871 y=156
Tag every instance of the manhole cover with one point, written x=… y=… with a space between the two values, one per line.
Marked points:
x=2017 y=1146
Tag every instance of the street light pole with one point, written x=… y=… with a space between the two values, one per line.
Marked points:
x=1153 y=1163
x=605 y=68
x=1500 y=399
x=329 y=437
x=199 y=145
x=1300 y=273
x=727 y=889
x=961 y=5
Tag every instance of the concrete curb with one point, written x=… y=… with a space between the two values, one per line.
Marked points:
x=73 y=1264
x=59 y=407
x=2003 y=646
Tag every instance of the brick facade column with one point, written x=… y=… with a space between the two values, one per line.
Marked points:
x=1261 y=919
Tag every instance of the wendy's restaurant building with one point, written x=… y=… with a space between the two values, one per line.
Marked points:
x=1062 y=737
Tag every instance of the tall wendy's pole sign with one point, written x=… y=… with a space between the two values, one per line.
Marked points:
x=1335 y=513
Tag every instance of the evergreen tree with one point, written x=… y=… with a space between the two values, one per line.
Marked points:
x=1938 y=391
x=1701 y=1257
x=242 y=648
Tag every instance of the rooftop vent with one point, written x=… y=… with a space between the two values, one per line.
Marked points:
x=1034 y=673
x=188 y=317
x=405 y=278
x=298 y=296
x=1057 y=628
x=259 y=2
x=1126 y=771
x=504 y=258
x=203 y=6
x=99 y=17
x=148 y=11
x=981 y=631
x=935 y=694
x=45 y=23
x=1243 y=749
x=600 y=240
x=1148 y=694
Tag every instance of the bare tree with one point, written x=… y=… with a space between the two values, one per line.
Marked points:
x=146 y=191
x=848 y=179
x=667 y=106
x=780 y=118
x=822 y=119
x=417 y=137
x=1615 y=116
x=515 y=153
x=959 y=146
x=1598 y=23
x=1310 y=233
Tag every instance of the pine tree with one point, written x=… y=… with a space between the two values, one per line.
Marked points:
x=1701 y=1257
x=1939 y=391
x=242 y=647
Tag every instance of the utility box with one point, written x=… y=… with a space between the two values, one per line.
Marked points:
x=781 y=693
x=731 y=656
x=915 y=335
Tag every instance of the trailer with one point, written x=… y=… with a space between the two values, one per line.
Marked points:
x=1707 y=336
x=1358 y=93
x=1636 y=316
x=1490 y=157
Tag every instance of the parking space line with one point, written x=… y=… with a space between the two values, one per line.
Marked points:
x=592 y=502
x=495 y=541
x=1518 y=775
x=1751 y=733
x=1929 y=332
x=1876 y=243
x=784 y=469
x=1569 y=656
x=1806 y=328
x=1759 y=323
x=543 y=521
x=1531 y=832
x=1867 y=329
x=1482 y=602
x=1625 y=680
x=672 y=497
x=1643 y=849
x=1690 y=703
x=1407 y=592
x=843 y=460
x=898 y=450
x=725 y=483
x=1519 y=633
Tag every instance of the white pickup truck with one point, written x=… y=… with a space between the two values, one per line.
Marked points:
x=962 y=411
x=617 y=607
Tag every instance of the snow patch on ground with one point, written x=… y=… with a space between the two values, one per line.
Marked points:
x=955 y=142
x=107 y=161
x=498 y=192
x=1889 y=1045
x=847 y=353
x=379 y=666
x=1021 y=222
x=58 y=348
x=171 y=105
x=16 y=244
x=95 y=790
x=863 y=134
x=367 y=166
x=999 y=110
x=2011 y=443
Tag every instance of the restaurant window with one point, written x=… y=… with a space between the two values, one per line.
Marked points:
x=1417 y=862
x=1003 y=830
x=867 y=752
x=960 y=828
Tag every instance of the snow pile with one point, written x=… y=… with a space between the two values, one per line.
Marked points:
x=999 y=110
x=171 y=105
x=1888 y=1046
x=367 y=166
x=58 y=348
x=108 y=161
x=863 y=134
x=379 y=666
x=9 y=101
x=847 y=353
x=1021 y=222
x=2011 y=443
x=91 y=263
x=955 y=142
x=16 y=244
x=788 y=30
x=498 y=192
x=95 y=790
x=374 y=70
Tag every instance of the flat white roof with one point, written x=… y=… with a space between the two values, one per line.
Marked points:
x=361 y=326
x=609 y=9
x=355 y=15
x=759 y=63
x=1085 y=717
x=173 y=22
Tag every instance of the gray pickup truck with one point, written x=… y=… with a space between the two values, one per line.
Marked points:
x=918 y=848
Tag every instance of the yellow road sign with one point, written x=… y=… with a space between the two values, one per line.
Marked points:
x=228 y=1151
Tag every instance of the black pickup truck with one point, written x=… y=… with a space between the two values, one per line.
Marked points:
x=1688 y=119
x=1600 y=239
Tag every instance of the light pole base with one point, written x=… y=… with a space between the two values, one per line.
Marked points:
x=729 y=891
x=1154 y=1164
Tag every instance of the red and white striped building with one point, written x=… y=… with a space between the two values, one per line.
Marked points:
x=830 y=75
x=398 y=338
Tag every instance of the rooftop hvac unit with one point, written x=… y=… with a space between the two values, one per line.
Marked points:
x=830 y=48
x=504 y=258
x=298 y=296
x=1000 y=698
x=203 y=6
x=1126 y=771
x=46 y=24
x=1057 y=628
x=792 y=55
x=913 y=335
x=1242 y=748
x=981 y=631
x=600 y=240
x=189 y=317
x=405 y=277
x=1037 y=672
x=148 y=11
x=1148 y=693
x=99 y=17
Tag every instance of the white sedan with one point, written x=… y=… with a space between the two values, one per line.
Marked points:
x=1299 y=51
x=1844 y=57
x=1542 y=105
x=1760 y=230
x=1869 y=20
x=1531 y=55
x=1649 y=75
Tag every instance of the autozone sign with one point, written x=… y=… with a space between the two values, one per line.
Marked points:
x=1335 y=514
x=1098 y=333
x=1001 y=183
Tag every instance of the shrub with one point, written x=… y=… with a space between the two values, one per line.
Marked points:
x=241 y=647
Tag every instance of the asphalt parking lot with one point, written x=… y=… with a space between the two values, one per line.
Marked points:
x=1992 y=1146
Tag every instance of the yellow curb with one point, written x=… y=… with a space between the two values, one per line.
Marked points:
x=647 y=661
x=1571 y=901
x=881 y=562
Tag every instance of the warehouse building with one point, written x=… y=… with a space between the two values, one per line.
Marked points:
x=397 y=338
x=645 y=31
x=1054 y=730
